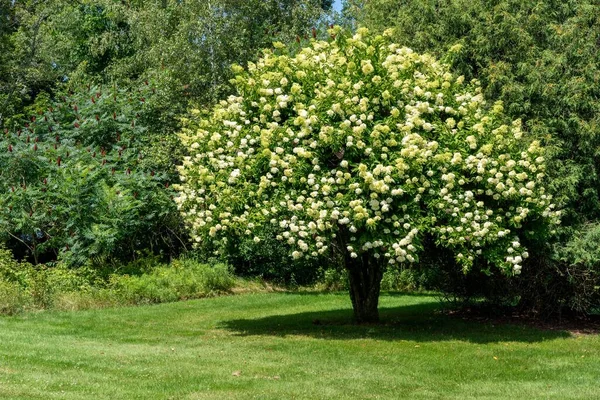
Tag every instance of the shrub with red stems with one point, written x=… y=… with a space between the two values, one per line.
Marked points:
x=105 y=180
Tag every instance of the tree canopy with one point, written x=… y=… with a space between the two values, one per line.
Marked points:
x=57 y=41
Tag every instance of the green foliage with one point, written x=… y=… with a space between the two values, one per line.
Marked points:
x=405 y=280
x=9 y=267
x=24 y=286
x=27 y=287
x=183 y=280
x=333 y=279
x=13 y=299
x=580 y=267
x=84 y=179
x=270 y=261
x=189 y=44
x=8 y=101
x=393 y=280
x=583 y=249
x=184 y=48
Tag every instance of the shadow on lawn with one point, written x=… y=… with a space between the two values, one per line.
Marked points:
x=419 y=322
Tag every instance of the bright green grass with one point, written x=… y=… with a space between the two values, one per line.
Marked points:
x=190 y=350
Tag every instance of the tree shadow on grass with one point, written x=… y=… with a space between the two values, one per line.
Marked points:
x=422 y=322
x=345 y=294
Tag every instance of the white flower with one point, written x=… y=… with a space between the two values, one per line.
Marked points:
x=517 y=269
x=367 y=67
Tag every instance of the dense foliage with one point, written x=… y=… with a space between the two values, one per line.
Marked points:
x=348 y=153
x=269 y=261
x=194 y=42
x=24 y=286
x=363 y=148
x=85 y=179
x=60 y=197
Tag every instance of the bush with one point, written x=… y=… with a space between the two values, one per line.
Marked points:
x=270 y=261
x=394 y=280
x=405 y=280
x=9 y=267
x=27 y=287
x=86 y=180
x=333 y=279
x=40 y=285
x=13 y=298
x=579 y=268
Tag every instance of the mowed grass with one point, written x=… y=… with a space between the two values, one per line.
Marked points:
x=288 y=346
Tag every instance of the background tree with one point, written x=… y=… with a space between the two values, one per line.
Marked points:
x=11 y=90
x=59 y=41
x=363 y=149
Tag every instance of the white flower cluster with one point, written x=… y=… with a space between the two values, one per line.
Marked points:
x=363 y=145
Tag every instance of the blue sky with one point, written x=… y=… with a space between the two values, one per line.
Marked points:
x=337 y=5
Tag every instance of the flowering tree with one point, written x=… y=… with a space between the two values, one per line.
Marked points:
x=363 y=148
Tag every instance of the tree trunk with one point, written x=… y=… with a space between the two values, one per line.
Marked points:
x=365 y=274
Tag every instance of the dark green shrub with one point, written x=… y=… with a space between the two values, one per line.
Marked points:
x=85 y=179
x=393 y=280
x=333 y=279
x=405 y=280
x=271 y=261
x=579 y=268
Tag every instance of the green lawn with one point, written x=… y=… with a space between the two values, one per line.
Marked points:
x=288 y=346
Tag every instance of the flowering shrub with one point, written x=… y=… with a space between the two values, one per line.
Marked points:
x=362 y=147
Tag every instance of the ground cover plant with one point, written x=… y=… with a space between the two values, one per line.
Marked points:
x=285 y=345
x=28 y=288
x=362 y=149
